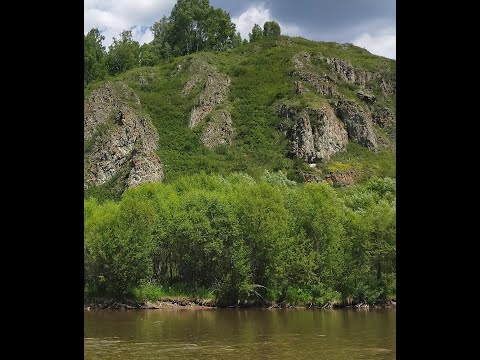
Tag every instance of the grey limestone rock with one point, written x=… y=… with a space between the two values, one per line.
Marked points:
x=316 y=134
x=126 y=143
x=219 y=130
x=211 y=101
x=358 y=122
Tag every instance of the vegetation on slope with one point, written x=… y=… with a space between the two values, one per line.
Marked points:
x=259 y=80
x=192 y=26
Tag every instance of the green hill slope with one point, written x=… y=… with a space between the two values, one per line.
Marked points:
x=317 y=111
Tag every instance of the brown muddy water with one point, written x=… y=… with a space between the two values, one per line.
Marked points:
x=240 y=334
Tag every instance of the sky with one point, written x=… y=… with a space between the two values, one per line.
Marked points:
x=370 y=24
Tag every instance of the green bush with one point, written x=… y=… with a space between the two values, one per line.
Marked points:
x=235 y=239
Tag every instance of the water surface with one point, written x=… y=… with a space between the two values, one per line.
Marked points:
x=253 y=334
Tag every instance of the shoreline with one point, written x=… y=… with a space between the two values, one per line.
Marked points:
x=172 y=304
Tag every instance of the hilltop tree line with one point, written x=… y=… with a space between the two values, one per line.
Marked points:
x=244 y=239
x=192 y=26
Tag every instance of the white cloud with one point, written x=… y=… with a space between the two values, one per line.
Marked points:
x=139 y=34
x=253 y=15
x=258 y=14
x=111 y=17
x=383 y=42
x=114 y=16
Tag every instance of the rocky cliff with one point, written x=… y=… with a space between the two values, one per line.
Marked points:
x=358 y=122
x=315 y=134
x=120 y=143
x=333 y=103
x=212 y=100
x=219 y=130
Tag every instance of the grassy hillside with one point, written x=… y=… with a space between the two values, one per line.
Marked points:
x=260 y=83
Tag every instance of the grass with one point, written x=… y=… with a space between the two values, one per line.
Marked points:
x=367 y=163
x=178 y=292
x=318 y=295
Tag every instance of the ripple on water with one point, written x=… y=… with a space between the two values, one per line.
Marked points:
x=378 y=350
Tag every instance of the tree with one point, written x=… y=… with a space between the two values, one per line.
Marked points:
x=256 y=33
x=245 y=239
x=194 y=26
x=263 y=223
x=271 y=28
x=316 y=213
x=381 y=246
x=237 y=40
x=123 y=53
x=161 y=32
x=219 y=29
x=119 y=243
x=148 y=55
x=370 y=241
x=93 y=56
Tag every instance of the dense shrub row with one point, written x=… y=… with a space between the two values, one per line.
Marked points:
x=266 y=240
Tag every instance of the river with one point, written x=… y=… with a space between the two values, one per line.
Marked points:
x=252 y=334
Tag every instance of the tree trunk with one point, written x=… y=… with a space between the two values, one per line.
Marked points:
x=379 y=270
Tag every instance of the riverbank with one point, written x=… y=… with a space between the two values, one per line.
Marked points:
x=110 y=304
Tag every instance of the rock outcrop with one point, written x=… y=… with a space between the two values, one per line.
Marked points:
x=322 y=84
x=316 y=134
x=368 y=98
x=347 y=72
x=299 y=89
x=384 y=117
x=102 y=102
x=215 y=89
x=301 y=60
x=358 y=122
x=219 y=130
x=312 y=178
x=339 y=68
x=316 y=140
x=388 y=83
x=125 y=144
x=214 y=93
x=341 y=178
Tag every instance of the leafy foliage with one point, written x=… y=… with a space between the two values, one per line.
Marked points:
x=193 y=26
x=256 y=33
x=241 y=239
x=123 y=54
x=94 y=58
x=271 y=28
